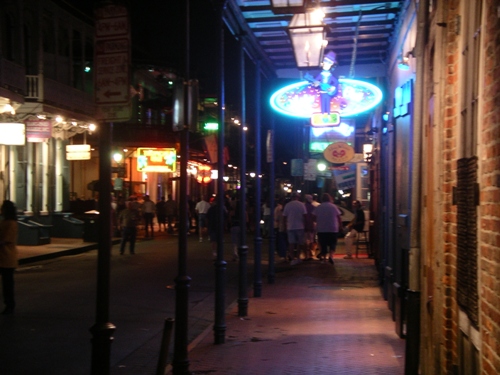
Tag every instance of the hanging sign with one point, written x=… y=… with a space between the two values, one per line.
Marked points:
x=78 y=152
x=38 y=130
x=12 y=134
x=156 y=159
x=339 y=153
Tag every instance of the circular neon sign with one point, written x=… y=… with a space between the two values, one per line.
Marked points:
x=302 y=99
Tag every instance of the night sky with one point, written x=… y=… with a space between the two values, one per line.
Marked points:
x=158 y=30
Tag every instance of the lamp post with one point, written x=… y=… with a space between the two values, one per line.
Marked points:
x=242 y=248
x=180 y=362
x=220 y=264
x=308 y=35
x=257 y=285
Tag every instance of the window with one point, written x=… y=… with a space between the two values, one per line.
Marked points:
x=467 y=190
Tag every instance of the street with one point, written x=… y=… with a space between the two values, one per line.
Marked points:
x=56 y=303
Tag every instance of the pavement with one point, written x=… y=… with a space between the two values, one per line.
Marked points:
x=316 y=318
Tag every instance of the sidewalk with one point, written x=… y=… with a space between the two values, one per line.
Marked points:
x=57 y=248
x=315 y=319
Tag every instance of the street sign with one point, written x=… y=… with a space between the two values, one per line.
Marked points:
x=112 y=64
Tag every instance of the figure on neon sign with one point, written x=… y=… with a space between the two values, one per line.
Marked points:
x=328 y=86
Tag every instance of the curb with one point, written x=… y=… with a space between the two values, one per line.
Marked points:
x=58 y=254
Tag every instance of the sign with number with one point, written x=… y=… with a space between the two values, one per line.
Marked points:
x=338 y=153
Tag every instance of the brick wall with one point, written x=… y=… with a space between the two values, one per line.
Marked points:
x=489 y=210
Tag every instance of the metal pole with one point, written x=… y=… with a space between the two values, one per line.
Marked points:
x=220 y=264
x=257 y=285
x=102 y=330
x=180 y=363
x=243 y=248
x=165 y=343
x=271 y=274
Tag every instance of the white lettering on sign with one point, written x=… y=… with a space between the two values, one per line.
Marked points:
x=112 y=63
x=114 y=112
x=112 y=79
x=111 y=46
x=111 y=27
x=111 y=11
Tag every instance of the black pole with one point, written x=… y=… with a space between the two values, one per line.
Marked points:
x=257 y=284
x=102 y=330
x=180 y=362
x=220 y=264
x=243 y=248
x=271 y=274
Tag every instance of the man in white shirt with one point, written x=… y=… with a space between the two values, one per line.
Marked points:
x=201 y=209
x=294 y=215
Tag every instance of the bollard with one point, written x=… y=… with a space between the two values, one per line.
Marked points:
x=165 y=342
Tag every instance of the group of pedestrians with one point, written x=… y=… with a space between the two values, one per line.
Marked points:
x=131 y=212
x=305 y=225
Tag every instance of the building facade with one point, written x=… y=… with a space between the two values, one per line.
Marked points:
x=436 y=169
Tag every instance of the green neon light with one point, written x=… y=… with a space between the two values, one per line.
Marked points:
x=211 y=126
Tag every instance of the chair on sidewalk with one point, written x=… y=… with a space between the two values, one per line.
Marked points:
x=363 y=238
x=363 y=242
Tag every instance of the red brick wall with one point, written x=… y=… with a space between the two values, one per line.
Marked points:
x=489 y=210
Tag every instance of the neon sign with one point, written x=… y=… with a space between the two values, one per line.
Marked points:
x=156 y=159
x=302 y=99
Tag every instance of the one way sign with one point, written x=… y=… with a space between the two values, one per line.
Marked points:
x=112 y=64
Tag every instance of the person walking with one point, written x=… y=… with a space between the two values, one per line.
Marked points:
x=201 y=209
x=171 y=212
x=266 y=216
x=354 y=227
x=294 y=215
x=8 y=254
x=128 y=219
x=161 y=214
x=148 y=213
x=280 y=228
x=328 y=224
x=236 y=228
x=310 y=229
x=214 y=222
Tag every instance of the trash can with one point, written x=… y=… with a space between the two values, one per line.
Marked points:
x=66 y=226
x=91 y=226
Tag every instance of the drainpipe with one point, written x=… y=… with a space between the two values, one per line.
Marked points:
x=59 y=175
x=12 y=174
x=412 y=358
x=29 y=179
x=45 y=178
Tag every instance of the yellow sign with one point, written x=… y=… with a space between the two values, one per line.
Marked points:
x=156 y=159
x=338 y=153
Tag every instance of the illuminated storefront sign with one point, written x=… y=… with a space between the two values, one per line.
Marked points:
x=302 y=99
x=156 y=159
x=204 y=175
x=320 y=138
x=12 y=134
x=402 y=99
x=77 y=152
x=338 y=153
x=38 y=130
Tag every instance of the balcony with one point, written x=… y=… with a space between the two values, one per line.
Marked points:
x=59 y=95
x=12 y=77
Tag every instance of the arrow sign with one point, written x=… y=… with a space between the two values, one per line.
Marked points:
x=112 y=63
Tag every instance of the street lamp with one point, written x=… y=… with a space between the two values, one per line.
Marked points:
x=287 y=6
x=308 y=35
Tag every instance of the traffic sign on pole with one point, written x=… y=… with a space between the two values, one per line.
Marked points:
x=112 y=64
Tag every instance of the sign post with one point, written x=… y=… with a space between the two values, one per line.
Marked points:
x=112 y=64
x=111 y=80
